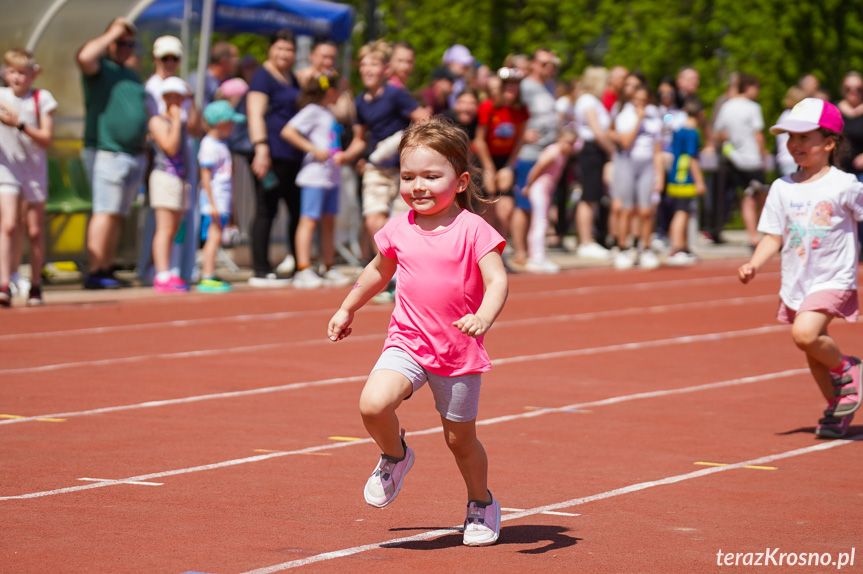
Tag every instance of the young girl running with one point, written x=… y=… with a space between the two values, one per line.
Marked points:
x=814 y=211
x=452 y=286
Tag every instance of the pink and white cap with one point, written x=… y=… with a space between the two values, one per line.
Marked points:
x=810 y=114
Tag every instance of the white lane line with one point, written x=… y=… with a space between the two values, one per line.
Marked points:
x=496 y=420
x=323 y=341
x=496 y=362
x=557 y=506
x=138 y=482
x=643 y=286
x=550 y=512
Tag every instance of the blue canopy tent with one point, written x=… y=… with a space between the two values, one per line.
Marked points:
x=305 y=17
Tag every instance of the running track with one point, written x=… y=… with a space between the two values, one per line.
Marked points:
x=635 y=422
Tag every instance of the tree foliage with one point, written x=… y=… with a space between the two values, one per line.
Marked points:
x=778 y=41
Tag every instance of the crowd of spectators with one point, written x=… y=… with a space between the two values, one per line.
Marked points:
x=634 y=170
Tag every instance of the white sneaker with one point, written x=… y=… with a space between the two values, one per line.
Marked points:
x=625 y=259
x=648 y=260
x=681 y=259
x=542 y=266
x=335 y=278
x=593 y=251
x=287 y=266
x=307 y=279
x=18 y=284
x=271 y=280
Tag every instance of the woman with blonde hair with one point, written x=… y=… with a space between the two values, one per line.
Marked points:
x=593 y=123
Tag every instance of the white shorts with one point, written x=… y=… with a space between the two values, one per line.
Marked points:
x=167 y=191
x=456 y=398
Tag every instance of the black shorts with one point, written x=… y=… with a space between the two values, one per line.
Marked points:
x=591 y=159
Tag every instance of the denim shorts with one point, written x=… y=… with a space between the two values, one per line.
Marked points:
x=317 y=201
x=115 y=179
x=456 y=398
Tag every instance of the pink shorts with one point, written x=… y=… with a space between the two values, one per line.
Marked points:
x=833 y=302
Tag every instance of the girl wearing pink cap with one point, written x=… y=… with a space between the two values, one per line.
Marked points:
x=811 y=217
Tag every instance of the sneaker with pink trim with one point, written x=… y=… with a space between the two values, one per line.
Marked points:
x=386 y=480
x=482 y=525
x=172 y=284
x=846 y=388
x=831 y=426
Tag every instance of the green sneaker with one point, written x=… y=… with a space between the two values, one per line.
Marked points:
x=213 y=286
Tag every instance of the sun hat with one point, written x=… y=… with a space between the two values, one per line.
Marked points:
x=458 y=54
x=221 y=111
x=810 y=114
x=234 y=87
x=174 y=85
x=167 y=46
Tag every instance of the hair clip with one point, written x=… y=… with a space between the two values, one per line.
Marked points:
x=324 y=82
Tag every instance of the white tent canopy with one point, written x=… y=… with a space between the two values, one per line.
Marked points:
x=55 y=29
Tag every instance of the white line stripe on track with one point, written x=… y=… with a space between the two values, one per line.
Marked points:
x=643 y=286
x=495 y=362
x=496 y=420
x=557 y=506
x=735 y=301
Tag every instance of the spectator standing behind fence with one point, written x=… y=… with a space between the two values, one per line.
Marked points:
x=382 y=110
x=738 y=131
x=168 y=184
x=315 y=131
x=638 y=176
x=224 y=57
x=541 y=131
x=541 y=183
x=27 y=118
x=216 y=196
x=322 y=60
x=167 y=55
x=501 y=122
x=271 y=102
x=593 y=123
x=115 y=127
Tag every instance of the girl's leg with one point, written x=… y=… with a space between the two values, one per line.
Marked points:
x=383 y=393
x=328 y=239
x=749 y=214
x=8 y=230
x=518 y=229
x=645 y=217
x=539 y=203
x=167 y=223
x=211 y=249
x=35 y=225
x=469 y=456
x=677 y=230
x=623 y=225
x=303 y=242
x=809 y=332
x=503 y=210
x=584 y=222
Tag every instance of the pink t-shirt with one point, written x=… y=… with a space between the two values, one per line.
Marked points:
x=438 y=283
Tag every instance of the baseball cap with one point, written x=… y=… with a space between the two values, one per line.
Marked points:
x=167 y=46
x=443 y=73
x=174 y=85
x=458 y=54
x=221 y=111
x=810 y=114
x=234 y=87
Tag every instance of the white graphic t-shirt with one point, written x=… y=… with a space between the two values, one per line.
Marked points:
x=817 y=223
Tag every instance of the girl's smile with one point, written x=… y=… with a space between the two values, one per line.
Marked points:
x=429 y=183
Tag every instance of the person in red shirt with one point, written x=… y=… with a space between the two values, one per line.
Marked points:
x=501 y=122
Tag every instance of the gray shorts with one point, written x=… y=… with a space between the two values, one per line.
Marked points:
x=456 y=398
x=114 y=179
x=632 y=181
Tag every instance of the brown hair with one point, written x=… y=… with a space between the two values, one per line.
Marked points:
x=451 y=141
x=841 y=149
x=316 y=88
x=19 y=58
